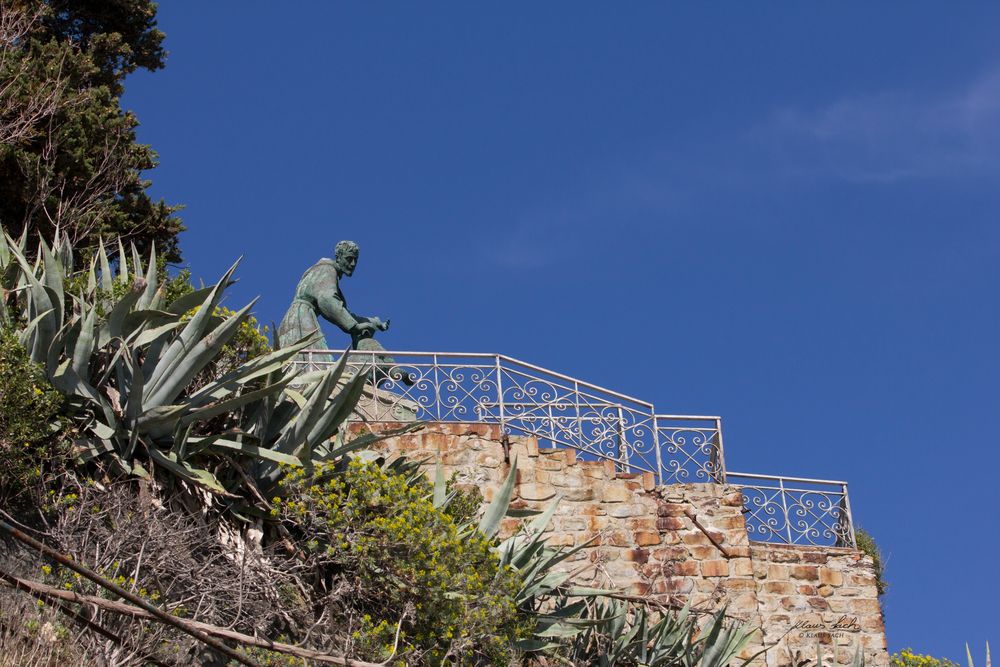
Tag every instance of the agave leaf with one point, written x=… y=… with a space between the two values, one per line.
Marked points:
x=82 y=349
x=88 y=448
x=440 y=485
x=25 y=335
x=53 y=276
x=230 y=404
x=112 y=327
x=490 y=523
x=102 y=430
x=336 y=413
x=41 y=299
x=193 y=360
x=92 y=276
x=251 y=370
x=369 y=439
x=179 y=349
x=64 y=339
x=254 y=451
x=152 y=284
x=149 y=336
x=123 y=263
x=562 y=630
x=5 y=255
x=137 y=320
x=585 y=591
x=136 y=260
x=66 y=380
x=296 y=397
x=187 y=472
x=107 y=278
x=191 y=300
x=296 y=440
x=294 y=434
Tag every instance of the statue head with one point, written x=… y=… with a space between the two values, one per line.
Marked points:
x=346 y=257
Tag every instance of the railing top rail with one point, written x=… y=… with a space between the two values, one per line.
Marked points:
x=692 y=417
x=487 y=355
x=784 y=478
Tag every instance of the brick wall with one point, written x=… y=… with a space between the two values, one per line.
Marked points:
x=677 y=544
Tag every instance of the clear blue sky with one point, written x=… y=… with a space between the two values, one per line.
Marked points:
x=784 y=213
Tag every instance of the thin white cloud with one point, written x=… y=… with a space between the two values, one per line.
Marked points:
x=891 y=136
x=869 y=140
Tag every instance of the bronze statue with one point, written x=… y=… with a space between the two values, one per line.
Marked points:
x=318 y=294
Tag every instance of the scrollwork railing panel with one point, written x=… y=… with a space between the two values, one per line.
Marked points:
x=795 y=511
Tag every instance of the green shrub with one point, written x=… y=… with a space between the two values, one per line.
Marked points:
x=380 y=534
x=907 y=658
x=866 y=543
x=28 y=408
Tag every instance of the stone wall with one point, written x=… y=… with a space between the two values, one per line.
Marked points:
x=676 y=544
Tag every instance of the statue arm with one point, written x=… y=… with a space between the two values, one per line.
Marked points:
x=334 y=310
x=329 y=300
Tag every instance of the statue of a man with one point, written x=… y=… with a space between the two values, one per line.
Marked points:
x=318 y=293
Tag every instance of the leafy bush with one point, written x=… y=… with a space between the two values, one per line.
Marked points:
x=907 y=658
x=378 y=532
x=866 y=543
x=28 y=407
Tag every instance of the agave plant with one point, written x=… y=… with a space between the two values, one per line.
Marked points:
x=125 y=359
x=968 y=655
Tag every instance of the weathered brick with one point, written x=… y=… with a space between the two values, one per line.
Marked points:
x=830 y=577
x=670 y=509
x=732 y=499
x=536 y=491
x=742 y=567
x=646 y=538
x=670 y=554
x=806 y=572
x=582 y=494
x=686 y=568
x=626 y=510
x=550 y=463
x=616 y=493
x=648 y=481
x=642 y=523
x=673 y=586
x=636 y=555
x=715 y=568
x=618 y=538
x=670 y=523
x=561 y=539
x=777 y=572
x=779 y=587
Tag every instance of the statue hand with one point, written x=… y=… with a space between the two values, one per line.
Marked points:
x=383 y=326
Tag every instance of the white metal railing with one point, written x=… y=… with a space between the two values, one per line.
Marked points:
x=795 y=510
x=527 y=399
x=599 y=423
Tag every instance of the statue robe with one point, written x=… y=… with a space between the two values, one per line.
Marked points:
x=318 y=292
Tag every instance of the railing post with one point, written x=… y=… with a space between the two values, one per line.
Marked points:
x=845 y=515
x=784 y=507
x=437 y=387
x=656 y=448
x=622 y=443
x=499 y=385
x=719 y=453
x=576 y=406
